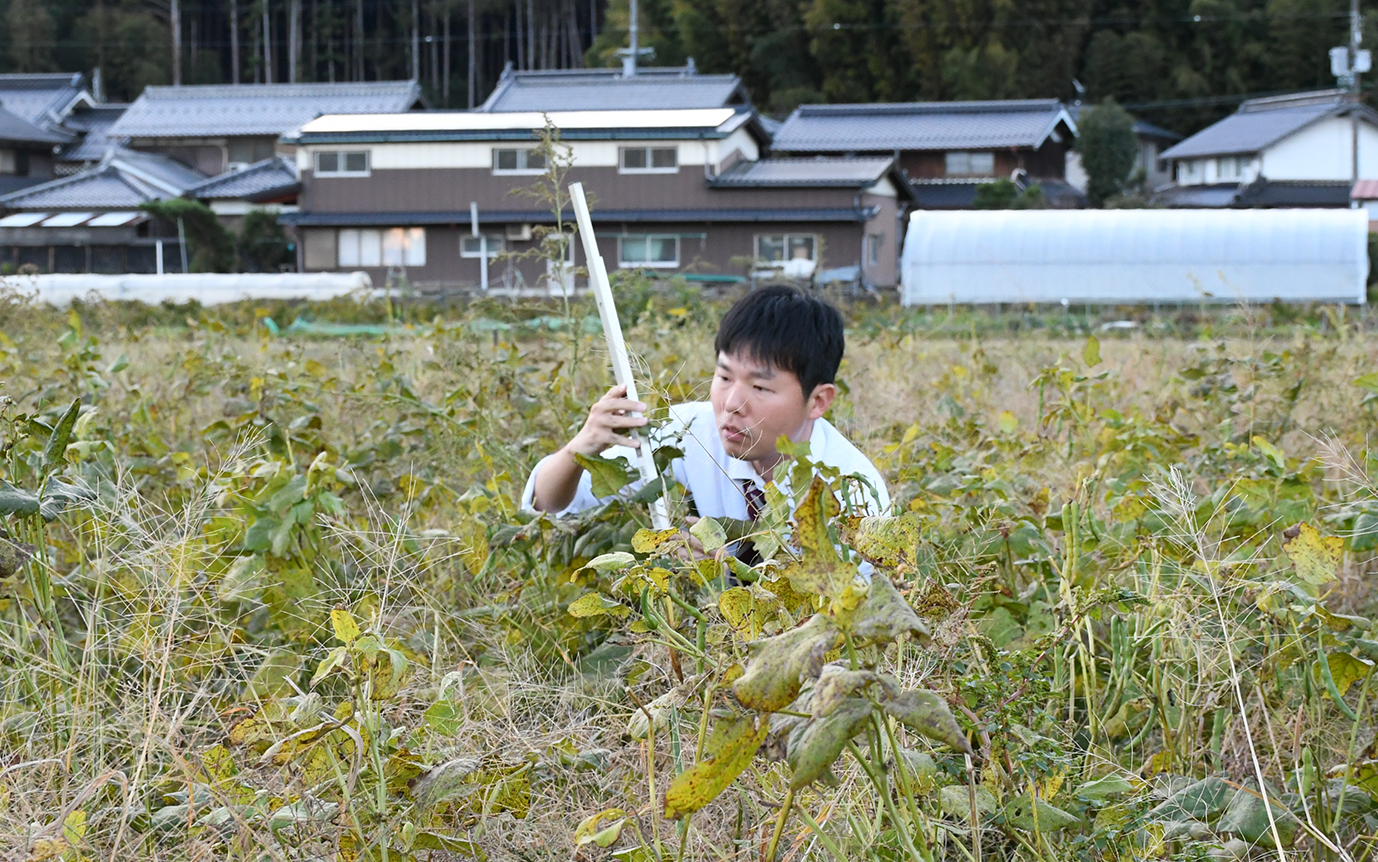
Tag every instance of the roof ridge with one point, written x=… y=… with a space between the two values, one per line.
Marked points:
x=927 y=107
x=1292 y=100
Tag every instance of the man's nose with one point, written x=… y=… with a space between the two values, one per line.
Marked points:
x=736 y=398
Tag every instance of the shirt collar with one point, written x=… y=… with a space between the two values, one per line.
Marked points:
x=739 y=470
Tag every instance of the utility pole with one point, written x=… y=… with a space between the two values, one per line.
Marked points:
x=1347 y=63
x=633 y=52
x=234 y=41
x=176 y=22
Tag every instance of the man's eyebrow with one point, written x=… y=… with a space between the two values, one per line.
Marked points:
x=760 y=372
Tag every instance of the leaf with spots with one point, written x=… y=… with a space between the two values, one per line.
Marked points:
x=729 y=749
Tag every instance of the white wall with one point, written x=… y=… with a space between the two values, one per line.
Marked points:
x=1322 y=152
x=479 y=154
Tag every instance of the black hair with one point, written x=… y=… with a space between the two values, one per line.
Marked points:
x=787 y=328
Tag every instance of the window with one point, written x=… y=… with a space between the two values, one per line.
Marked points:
x=653 y=250
x=784 y=247
x=335 y=163
x=7 y=162
x=398 y=246
x=649 y=160
x=970 y=164
x=517 y=162
x=1227 y=168
x=873 y=244
x=470 y=246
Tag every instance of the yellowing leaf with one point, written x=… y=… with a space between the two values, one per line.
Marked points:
x=1271 y=452
x=346 y=630
x=811 y=519
x=1008 y=422
x=648 y=541
x=887 y=541
x=1315 y=558
x=1090 y=354
x=817 y=743
x=595 y=605
x=748 y=609
x=884 y=615
x=733 y=743
x=1346 y=670
x=590 y=833
x=779 y=665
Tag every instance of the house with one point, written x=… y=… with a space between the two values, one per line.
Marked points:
x=90 y=122
x=1282 y=151
x=33 y=134
x=651 y=88
x=270 y=184
x=946 y=149
x=91 y=222
x=1152 y=140
x=438 y=195
x=218 y=127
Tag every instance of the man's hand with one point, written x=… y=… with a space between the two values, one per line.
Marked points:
x=609 y=420
x=609 y=417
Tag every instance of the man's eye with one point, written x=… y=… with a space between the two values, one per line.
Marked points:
x=761 y=389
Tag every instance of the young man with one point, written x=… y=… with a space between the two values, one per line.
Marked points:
x=778 y=352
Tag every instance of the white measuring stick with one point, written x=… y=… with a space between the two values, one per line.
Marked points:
x=617 y=348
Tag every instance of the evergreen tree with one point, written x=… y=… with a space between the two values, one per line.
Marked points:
x=1108 y=150
x=32 y=36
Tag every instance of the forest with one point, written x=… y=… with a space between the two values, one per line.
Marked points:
x=1178 y=63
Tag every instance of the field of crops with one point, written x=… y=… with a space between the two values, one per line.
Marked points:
x=270 y=597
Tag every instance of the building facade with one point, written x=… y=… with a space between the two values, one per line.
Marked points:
x=436 y=195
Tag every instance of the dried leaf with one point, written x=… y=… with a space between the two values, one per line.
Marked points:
x=820 y=577
x=778 y=665
x=733 y=743
x=590 y=833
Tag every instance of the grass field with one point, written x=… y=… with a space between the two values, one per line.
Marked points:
x=271 y=597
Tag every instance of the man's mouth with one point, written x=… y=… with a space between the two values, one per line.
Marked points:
x=735 y=435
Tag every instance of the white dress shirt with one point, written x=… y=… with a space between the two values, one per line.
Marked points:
x=716 y=480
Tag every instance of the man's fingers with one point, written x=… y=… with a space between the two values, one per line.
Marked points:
x=619 y=440
x=620 y=405
x=621 y=420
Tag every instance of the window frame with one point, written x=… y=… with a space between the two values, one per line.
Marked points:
x=409 y=246
x=971 y=169
x=343 y=156
x=874 y=243
x=785 y=244
x=518 y=171
x=649 y=150
x=493 y=250
x=623 y=263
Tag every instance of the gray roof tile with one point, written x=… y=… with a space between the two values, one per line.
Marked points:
x=93 y=125
x=1260 y=123
x=276 y=174
x=608 y=89
x=255 y=109
x=920 y=126
x=856 y=172
x=124 y=179
x=39 y=98
x=19 y=130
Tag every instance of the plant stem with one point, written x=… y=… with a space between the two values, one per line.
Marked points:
x=780 y=826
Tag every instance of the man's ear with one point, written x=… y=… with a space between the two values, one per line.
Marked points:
x=821 y=399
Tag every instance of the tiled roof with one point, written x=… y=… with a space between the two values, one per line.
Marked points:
x=1261 y=193
x=255 y=109
x=805 y=172
x=40 y=98
x=19 y=130
x=513 y=126
x=1260 y=123
x=921 y=126
x=123 y=180
x=273 y=175
x=609 y=89
x=93 y=124
x=1364 y=190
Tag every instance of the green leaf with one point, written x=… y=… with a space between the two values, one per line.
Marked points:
x=927 y=714
x=815 y=744
x=616 y=561
x=271 y=677
x=733 y=743
x=777 y=666
x=17 y=501
x=1200 y=800
x=1368 y=381
x=608 y=475
x=57 y=495
x=1315 y=558
x=1050 y=818
x=1247 y=817
x=62 y=432
x=259 y=536
x=1090 y=354
x=13 y=555
x=444 y=717
x=709 y=533
x=1105 y=787
x=1365 y=536
x=121 y=363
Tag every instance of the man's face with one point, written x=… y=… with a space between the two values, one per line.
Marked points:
x=754 y=403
